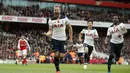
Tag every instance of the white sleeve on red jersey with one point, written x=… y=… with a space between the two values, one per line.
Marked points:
x=19 y=44
x=27 y=44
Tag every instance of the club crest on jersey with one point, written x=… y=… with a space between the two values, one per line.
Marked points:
x=88 y=34
x=115 y=30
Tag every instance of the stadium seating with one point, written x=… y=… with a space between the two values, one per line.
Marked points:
x=71 y=13
x=8 y=43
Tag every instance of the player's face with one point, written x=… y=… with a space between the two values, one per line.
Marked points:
x=56 y=11
x=115 y=19
x=22 y=37
x=90 y=24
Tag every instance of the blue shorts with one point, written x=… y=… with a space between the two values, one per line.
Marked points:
x=58 y=45
x=80 y=54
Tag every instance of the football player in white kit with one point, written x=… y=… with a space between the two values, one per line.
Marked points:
x=80 y=49
x=57 y=27
x=115 y=35
x=90 y=34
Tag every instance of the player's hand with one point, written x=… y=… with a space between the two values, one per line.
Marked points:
x=106 y=44
x=70 y=40
x=80 y=40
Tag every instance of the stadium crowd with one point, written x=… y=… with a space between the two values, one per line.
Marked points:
x=41 y=44
x=71 y=13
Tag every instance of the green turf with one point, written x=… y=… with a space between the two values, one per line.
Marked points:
x=65 y=68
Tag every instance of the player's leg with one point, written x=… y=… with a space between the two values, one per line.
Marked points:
x=118 y=51
x=55 y=47
x=87 y=55
x=24 y=54
x=17 y=60
x=17 y=57
x=80 y=57
x=111 y=56
x=89 y=52
x=61 y=49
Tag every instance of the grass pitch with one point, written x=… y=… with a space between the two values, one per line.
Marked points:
x=65 y=68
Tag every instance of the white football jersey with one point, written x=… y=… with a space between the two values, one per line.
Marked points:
x=89 y=36
x=115 y=31
x=58 y=26
x=80 y=48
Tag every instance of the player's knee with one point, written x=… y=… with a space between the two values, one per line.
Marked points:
x=57 y=54
x=62 y=55
x=86 y=50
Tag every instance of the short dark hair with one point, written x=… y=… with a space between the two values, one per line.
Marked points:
x=90 y=21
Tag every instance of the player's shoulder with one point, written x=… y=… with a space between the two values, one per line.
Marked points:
x=53 y=18
x=85 y=28
x=61 y=17
x=20 y=39
x=93 y=28
x=24 y=39
x=121 y=24
x=111 y=26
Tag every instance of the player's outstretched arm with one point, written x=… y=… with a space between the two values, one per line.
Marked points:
x=70 y=32
x=49 y=33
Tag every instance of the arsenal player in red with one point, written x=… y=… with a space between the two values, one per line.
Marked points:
x=22 y=46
